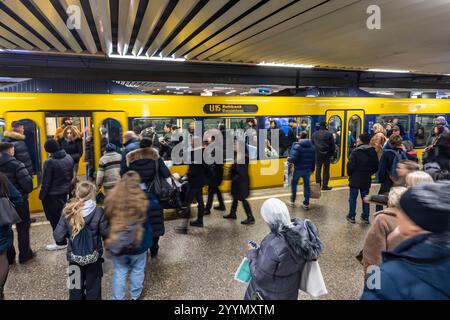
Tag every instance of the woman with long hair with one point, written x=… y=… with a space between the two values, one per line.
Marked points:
x=130 y=234
x=72 y=142
x=8 y=191
x=379 y=139
x=82 y=214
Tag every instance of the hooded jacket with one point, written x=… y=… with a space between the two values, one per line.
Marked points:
x=323 y=141
x=416 y=270
x=362 y=164
x=57 y=175
x=144 y=161
x=20 y=149
x=277 y=265
x=16 y=173
x=303 y=155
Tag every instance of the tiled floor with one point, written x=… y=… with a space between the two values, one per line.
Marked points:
x=200 y=265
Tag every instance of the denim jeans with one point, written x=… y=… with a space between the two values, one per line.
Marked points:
x=352 y=203
x=119 y=281
x=305 y=175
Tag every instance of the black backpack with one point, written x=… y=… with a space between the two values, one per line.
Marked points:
x=83 y=248
x=162 y=189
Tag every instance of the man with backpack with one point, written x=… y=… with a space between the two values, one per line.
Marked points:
x=393 y=152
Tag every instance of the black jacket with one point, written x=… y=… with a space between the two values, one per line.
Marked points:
x=240 y=181
x=292 y=136
x=214 y=174
x=197 y=171
x=362 y=164
x=73 y=148
x=20 y=149
x=323 y=141
x=57 y=175
x=144 y=161
x=384 y=169
x=16 y=173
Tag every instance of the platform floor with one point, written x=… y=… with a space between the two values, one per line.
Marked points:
x=200 y=265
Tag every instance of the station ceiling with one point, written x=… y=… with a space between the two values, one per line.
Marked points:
x=327 y=34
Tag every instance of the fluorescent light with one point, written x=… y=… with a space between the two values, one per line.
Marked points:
x=146 y=58
x=389 y=70
x=286 y=65
x=177 y=87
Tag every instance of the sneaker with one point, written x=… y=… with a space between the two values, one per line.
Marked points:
x=54 y=247
x=327 y=188
x=305 y=206
x=220 y=208
x=366 y=221
x=181 y=230
x=351 y=220
x=248 y=221
x=230 y=216
x=196 y=223
x=291 y=204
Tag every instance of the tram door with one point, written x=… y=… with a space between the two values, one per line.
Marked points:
x=345 y=125
x=35 y=137
x=108 y=128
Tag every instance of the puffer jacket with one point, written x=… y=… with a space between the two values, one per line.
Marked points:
x=144 y=161
x=73 y=148
x=303 y=155
x=277 y=265
x=57 y=175
x=362 y=164
x=415 y=270
x=16 y=173
x=323 y=141
x=20 y=149
x=97 y=223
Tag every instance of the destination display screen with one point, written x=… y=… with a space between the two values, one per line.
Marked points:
x=230 y=108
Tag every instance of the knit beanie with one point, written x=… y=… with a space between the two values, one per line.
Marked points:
x=52 y=146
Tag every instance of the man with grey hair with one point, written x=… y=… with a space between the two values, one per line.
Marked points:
x=131 y=143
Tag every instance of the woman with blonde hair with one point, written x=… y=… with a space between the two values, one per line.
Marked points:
x=72 y=142
x=378 y=128
x=378 y=141
x=416 y=177
x=84 y=225
x=130 y=235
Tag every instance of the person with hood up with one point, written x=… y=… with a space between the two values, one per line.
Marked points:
x=17 y=137
x=303 y=156
x=277 y=265
x=417 y=269
x=362 y=164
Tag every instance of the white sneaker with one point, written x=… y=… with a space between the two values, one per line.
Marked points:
x=54 y=247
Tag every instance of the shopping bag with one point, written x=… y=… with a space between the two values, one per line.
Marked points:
x=243 y=273
x=8 y=214
x=311 y=280
x=315 y=191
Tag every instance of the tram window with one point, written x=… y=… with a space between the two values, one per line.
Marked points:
x=402 y=121
x=335 y=127
x=304 y=124
x=189 y=125
x=251 y=141
x=214 y=123
x=282 y=124
x=423 y=130
x=110 y=132
x=2 y=128
x=354 y=130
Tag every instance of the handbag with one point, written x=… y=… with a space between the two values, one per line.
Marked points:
x=8 y=214
x=315 y=191
x=163 y=190
x=311 y=280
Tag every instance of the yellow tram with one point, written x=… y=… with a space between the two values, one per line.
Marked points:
x=107 y=116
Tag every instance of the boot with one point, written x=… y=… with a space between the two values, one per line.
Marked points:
x=230 y=216
x=249 y=220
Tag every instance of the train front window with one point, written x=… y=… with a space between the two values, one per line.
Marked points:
x=423 y=130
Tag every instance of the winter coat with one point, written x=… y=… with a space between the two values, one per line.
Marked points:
x=415 y=270
x=197 y=172
x=214 y=174
x=144 y=161
x=129 y=146
x=277 y=265
x=380 y=238
x=109 y=170
x=155 y=216
x=323 y=142
x=73 y=148
x=20 y=149
x=303 y=155
x=97 y=223
x=384 y=168
x=240 y=181
x=57 y=175
x=6 y=233
x=16 y=173
x=362 y=164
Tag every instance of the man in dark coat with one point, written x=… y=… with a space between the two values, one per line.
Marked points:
x=214 y=179
x=17 y=137
x=56 y=185
x=131 y=143
x=292 y=132
x=323 y=142
x=19 y=176
x=362 y=164
x=417 y=269
x=303 y=157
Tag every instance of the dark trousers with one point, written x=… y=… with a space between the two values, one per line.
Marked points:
x=85 y=281
x=195 y=193
x=247 y=208
x=353 y=198
x=23 y=234
x=384 y=188
x=212 y=190
x=155 y=247
x=53 y=206
x=326 y=171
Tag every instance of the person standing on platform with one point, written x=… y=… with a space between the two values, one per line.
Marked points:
x=323 y=142
x=56 y=185
x=109 y=168
x=214 y=179
x=131 y=143
x=19 y=176
x=240 y=187
x=417 y=269
x=84 y=225
x=362 y=164
x=72 y=143
x=303 y=157
x=17 y=137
